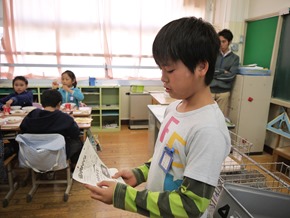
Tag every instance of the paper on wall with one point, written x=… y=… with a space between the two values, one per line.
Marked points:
x=90 y=169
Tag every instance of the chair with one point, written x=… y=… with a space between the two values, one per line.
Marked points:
x=43 y=153
x=11 y=184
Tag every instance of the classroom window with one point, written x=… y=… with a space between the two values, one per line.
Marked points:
x=102 y=38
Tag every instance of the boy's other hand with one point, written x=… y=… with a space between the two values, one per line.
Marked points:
x=104 y=191
x=128 y=177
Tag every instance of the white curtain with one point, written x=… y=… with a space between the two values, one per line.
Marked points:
x=98 y=38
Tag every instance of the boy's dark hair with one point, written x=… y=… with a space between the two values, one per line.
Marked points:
x=22 y=78
x=72 y=76
x=190 y=40
x=227 y=34
x=50 y=98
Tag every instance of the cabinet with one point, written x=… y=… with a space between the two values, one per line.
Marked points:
x=249 y=108
x=138 y=110
x=104 y=100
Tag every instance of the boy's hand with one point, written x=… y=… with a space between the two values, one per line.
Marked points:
x=128 y=177
x=104 y=191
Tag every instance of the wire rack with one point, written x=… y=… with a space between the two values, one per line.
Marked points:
x=239 y=168
x=240 y=144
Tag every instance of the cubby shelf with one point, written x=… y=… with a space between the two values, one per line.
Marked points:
x=105 y=102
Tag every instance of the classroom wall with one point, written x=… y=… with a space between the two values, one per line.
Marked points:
x=262 y=7
x=259 y=9
x=226 y=16
x=232 y=14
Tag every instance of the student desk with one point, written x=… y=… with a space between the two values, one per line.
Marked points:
x=161 y=98
x=10 y=130
x=156 y=113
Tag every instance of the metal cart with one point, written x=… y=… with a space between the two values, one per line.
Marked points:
x=239 y=168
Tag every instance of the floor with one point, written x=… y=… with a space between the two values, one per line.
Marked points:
x=120 y=149
x=124 y=149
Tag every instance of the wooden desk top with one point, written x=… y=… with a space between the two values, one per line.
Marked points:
x=83 y=120
x=15 y=126
x=162 y=98
x=81 y=112
x=158 y=111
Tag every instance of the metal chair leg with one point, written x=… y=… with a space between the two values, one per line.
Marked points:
x=11 y=184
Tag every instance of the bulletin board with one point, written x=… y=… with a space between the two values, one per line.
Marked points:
x=281 y=85
x=260 y=36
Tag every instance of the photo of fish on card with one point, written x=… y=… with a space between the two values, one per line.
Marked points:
x=90 y=169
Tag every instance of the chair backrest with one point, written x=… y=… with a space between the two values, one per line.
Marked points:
x=42 y=152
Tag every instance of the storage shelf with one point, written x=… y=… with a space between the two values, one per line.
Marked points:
x=110 y=114
x=106 y=102
x=280 y=102
x=90 y=93
x=109 y=106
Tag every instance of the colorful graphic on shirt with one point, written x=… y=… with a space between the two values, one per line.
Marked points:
x=169 y=182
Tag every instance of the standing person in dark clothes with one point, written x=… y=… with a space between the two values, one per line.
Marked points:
x=226 y=68
x=52 y=120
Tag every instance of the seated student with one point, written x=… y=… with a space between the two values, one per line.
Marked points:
x=69 y=91
x=20 y=97
x=52 y=120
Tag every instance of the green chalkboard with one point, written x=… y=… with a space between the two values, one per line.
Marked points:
x=281 y=85
x=259 y=43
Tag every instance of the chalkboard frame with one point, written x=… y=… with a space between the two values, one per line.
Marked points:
x=259 y=43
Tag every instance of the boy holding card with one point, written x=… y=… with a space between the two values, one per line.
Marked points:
x=193 y=140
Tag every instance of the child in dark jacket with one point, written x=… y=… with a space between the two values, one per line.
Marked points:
x=20 y=97
x=52 y=120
